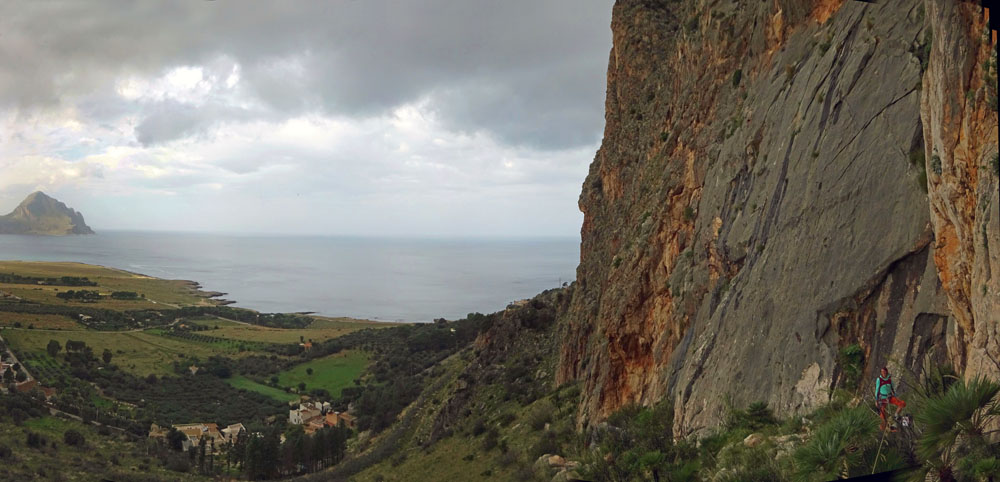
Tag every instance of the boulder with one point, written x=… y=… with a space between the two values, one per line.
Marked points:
x=753 y=440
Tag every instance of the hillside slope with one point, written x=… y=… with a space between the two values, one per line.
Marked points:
x=41 y=214
x=760 y=201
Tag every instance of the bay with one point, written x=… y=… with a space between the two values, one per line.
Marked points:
x=389 y=279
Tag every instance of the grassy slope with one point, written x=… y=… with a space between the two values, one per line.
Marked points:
x=454 y=458
x=90 y=462
x=332 y=373
x=464 y=456
x=463 y=452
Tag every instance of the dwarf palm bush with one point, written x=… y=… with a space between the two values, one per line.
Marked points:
x=955 y=426
x=838 y=447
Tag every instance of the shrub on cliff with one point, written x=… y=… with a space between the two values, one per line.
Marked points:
x=851 y=359
x=755 y=417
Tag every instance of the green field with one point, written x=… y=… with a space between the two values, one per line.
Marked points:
x=252 y=386
x=332 y=373
x=133 y=351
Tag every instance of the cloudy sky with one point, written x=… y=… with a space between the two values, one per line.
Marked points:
x=462 y=117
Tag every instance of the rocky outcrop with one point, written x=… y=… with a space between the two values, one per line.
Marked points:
x=958 y=110
x=759 y=202
x=41 y=214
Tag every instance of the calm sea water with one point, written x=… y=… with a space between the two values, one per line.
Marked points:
x=390 y=279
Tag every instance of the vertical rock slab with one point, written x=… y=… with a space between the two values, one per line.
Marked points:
x=755 y=207
x=958 y=110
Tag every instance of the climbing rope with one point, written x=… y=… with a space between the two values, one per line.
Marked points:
x=877 y=453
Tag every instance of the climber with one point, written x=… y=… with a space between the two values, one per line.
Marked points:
x=885 y=393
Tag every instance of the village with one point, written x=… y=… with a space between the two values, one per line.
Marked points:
x=311 y=415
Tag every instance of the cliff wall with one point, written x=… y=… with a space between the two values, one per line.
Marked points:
x=767 y=193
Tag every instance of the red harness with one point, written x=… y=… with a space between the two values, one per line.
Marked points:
x=878 y=391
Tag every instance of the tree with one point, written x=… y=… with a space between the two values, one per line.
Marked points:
x=262 y=453
x=53 y=348
x=72 y=437
x=309 y=371
x=302 y=386
x=21 y=376
x=175 y=439
x=8 y=375
x=106 y=356
x=202 y=445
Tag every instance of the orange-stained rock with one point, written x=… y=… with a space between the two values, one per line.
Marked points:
x=754 y=207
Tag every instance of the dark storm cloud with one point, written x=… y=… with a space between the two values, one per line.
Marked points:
x=169 y=120
x=529 y=72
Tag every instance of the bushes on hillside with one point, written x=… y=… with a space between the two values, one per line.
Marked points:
x=540 y=414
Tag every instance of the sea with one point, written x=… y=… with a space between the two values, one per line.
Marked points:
x=387 y=279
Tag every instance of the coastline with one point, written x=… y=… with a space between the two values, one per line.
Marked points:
x=192 y=287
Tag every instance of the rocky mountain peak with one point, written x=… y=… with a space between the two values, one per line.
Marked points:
x=40 y=213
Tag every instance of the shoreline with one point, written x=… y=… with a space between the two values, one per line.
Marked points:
x=213 y=297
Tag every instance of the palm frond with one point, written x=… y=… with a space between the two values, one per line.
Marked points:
x=955 y=420
x=841 y=441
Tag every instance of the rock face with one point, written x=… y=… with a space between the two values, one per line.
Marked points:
x=759 y=202
x=960 y=137
x=41 y=214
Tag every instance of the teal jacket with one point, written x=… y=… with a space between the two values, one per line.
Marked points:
x=883 y=388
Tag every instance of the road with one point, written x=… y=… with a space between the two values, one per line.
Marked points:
x=14 y=359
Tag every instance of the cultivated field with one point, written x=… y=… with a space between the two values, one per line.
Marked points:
x=321 y=329
x=137 y=352
x=47 y=322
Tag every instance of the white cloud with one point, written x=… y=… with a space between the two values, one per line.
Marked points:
x=405 y=168
x=299 y=118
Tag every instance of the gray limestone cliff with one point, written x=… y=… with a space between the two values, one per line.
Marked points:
x=779 y=180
